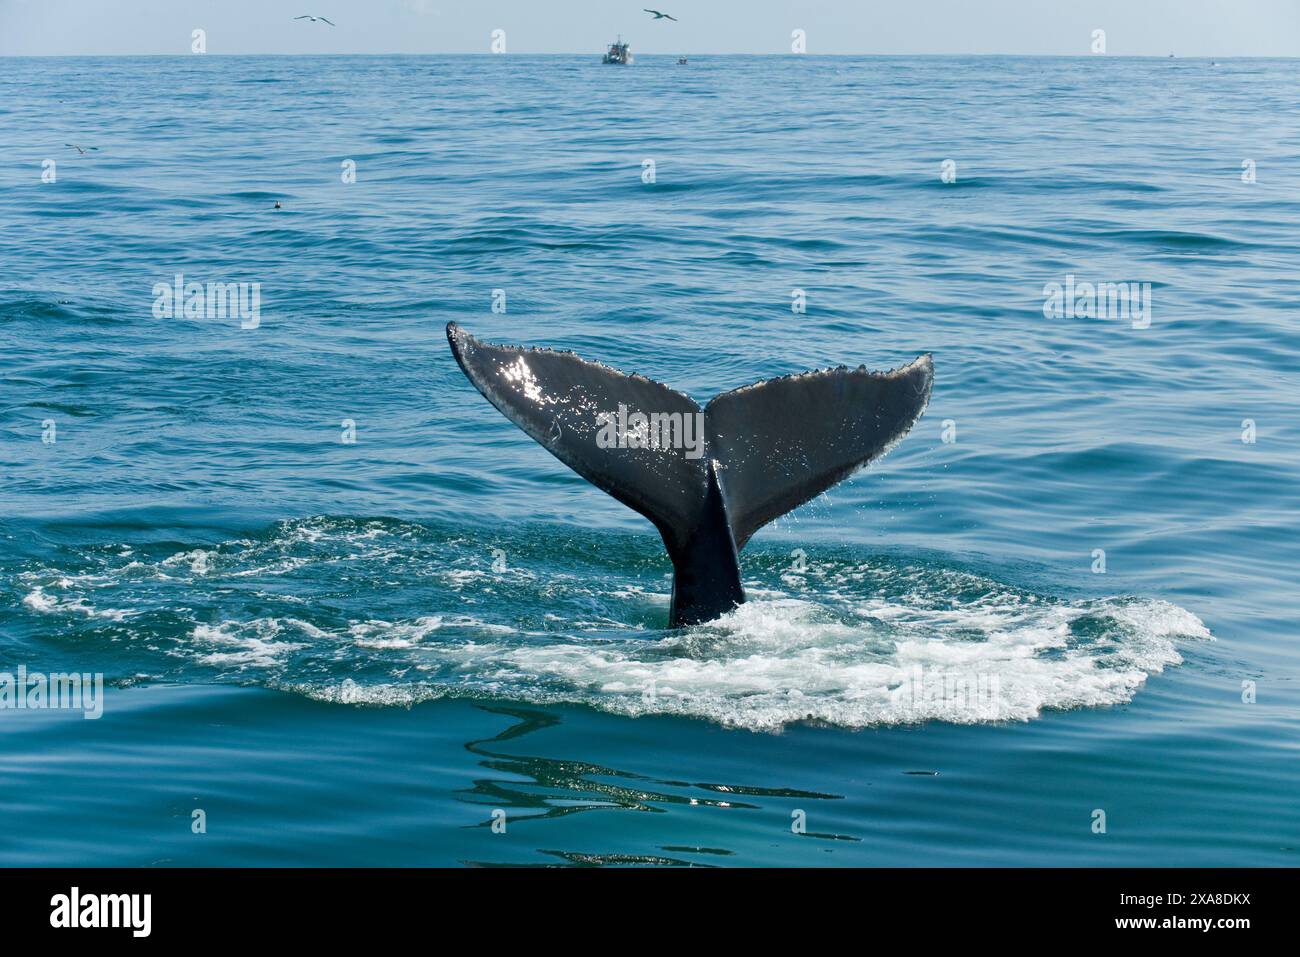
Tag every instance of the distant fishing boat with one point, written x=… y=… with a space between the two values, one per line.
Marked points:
x=619 y=52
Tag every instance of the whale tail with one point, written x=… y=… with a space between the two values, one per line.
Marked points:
x=708 y=478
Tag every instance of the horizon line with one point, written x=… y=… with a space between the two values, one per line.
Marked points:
x=588 y=53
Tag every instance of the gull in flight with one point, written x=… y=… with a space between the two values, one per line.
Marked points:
x=79 y=149
x=660 y=16
x=308 y=16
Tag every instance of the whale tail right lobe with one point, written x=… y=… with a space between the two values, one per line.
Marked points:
x=750 y=456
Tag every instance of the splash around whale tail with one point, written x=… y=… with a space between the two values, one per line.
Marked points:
x=709 y=478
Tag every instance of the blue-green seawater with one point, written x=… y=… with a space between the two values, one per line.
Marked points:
x=359 y=652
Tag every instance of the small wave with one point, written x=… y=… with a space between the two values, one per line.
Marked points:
x=44 y=604
x=255 y=644
x=385 y=634
x=198 y=561
x=1169 y=238
x=349 y=692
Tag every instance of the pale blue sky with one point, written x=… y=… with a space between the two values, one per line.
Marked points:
x=1217 y=28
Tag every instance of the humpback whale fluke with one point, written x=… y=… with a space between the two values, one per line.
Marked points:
x=707 y=479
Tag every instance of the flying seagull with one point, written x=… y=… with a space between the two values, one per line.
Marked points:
x=308 y=16
x=660 y=16
x=79 y=149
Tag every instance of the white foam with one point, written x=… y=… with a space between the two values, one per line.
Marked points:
x=350 y=692
x=769 y=663
x=387 y=635
x=252 y=644
x=461 y=577
x=199 y=560
x=45 y=604
x=857 y=644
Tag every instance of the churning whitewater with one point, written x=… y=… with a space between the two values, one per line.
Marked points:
x=842 y=638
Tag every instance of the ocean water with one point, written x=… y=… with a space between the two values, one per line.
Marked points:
x=365 y=652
